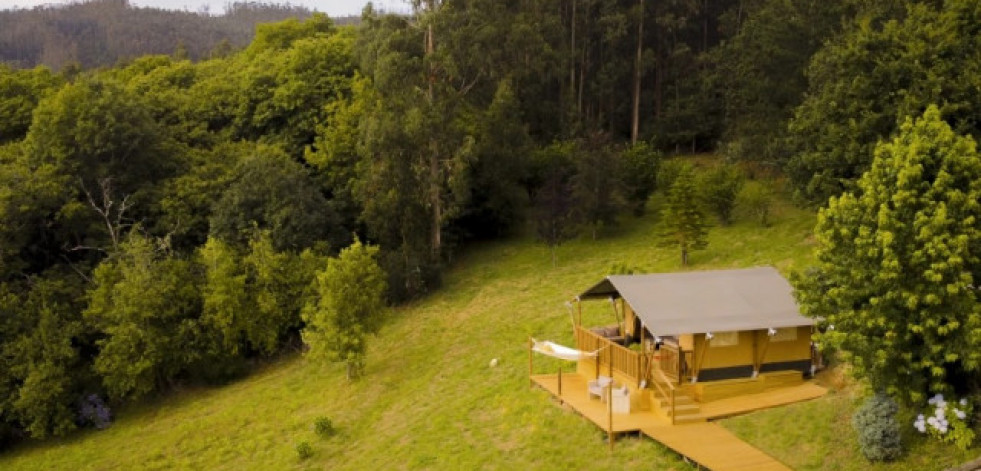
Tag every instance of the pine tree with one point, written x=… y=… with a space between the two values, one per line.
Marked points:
x=684 y=224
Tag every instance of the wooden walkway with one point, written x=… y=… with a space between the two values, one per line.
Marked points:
x=706 y=443
x=713 y=447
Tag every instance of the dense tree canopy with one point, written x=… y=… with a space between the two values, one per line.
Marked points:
x=144 y=300
x=888 y=65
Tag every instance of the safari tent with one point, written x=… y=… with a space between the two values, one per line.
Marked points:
x=709 y=325
x=686 y=347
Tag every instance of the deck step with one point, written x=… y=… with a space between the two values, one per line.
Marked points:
x=689 y=419
x=678 y=399
x=683 y=409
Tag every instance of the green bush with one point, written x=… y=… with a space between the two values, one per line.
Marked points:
x=624 y=268
x=719 y=188
x=323 y=426
x=756 y=198
x=639 y=169
x=878 y=429
x=304 y=450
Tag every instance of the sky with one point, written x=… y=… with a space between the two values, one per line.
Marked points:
x=330 y=7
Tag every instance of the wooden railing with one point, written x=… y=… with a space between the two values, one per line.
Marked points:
x=660 y=383
x=675 y=363
x=623 y=360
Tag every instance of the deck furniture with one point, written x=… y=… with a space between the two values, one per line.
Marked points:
x=621 y=400
x=599 y=386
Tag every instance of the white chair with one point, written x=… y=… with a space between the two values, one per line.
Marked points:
x=598 y=387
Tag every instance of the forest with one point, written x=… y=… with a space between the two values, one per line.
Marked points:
x=102 y=33
x=166 y=220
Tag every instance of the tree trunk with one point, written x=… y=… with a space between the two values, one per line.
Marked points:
x=437 y=201
x=684 y=257
x=659 y=61
x=435 y=180
x=582 y=79
x=572 y=51
x=705 y=25
x=635 y=118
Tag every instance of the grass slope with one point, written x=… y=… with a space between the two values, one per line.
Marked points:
x=430 y=400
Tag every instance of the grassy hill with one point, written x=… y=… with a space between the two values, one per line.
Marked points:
x=430 y=400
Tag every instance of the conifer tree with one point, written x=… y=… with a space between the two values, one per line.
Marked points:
x=684 y=224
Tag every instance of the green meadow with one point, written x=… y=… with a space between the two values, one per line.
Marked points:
x=431 y=400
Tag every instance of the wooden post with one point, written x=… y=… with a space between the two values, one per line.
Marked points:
x=616 y=316
x=699 y=359
x=609 y=408
x=674 y=412
x=560 y=383
x=597 y=357
x=642 y=372
x=579 y=309
x=638 y=371
x=531 y=343
x=759 y=363
x=609 y=361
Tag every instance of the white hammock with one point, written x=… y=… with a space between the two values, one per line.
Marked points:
x=553 y=349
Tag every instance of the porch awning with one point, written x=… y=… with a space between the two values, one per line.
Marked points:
x=705 y=301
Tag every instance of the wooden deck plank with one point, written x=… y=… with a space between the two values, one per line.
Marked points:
x=714 y=447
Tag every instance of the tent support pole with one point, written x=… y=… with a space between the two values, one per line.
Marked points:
x=701 y=359
x=759 y=362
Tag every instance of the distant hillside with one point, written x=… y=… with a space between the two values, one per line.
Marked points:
x=103 y=32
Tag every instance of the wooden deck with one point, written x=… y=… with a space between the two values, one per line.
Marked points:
x=706 y=443
x=713 y=447
x=751 y=402
x=574 y=393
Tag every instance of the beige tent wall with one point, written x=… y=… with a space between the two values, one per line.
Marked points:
x=723 y=357
x=799 y=349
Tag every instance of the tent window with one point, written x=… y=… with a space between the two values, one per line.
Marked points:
x=786 y=334
x=725 y=339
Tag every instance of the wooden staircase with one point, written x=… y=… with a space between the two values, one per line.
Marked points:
x=674 y=402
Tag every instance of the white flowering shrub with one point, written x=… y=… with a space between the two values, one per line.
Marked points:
x=949 y=423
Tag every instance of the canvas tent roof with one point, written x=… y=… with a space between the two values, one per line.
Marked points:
x=705 y=301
